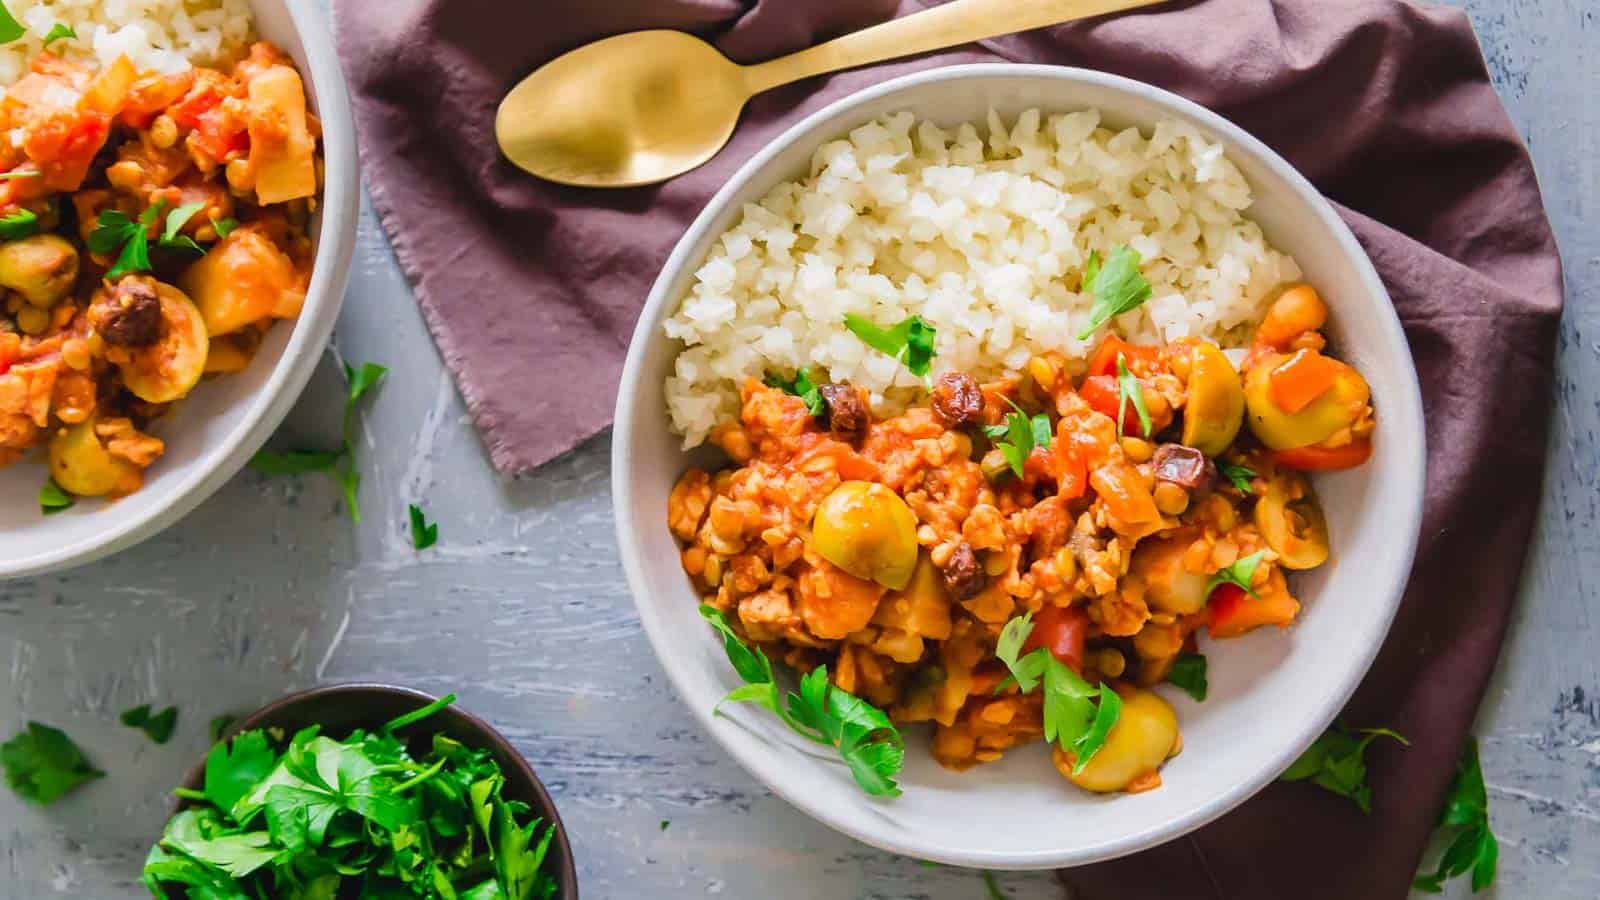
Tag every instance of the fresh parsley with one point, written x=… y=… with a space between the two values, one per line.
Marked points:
x=1129 y=390
x=423 y=534
x=24 y=173
x=1474 y=847
x=910 y=341
x=52 y=499
x=867 y=741
x=664 y=824
x=992 y=886
x=358 y=815
x=1117 y=287
x=1077 y=715
x=172 y=237
x=20 y=224
x=218 y=726
x=224 y=227
x=1240 y=574
x=1016 y=437
x=1239 y=475
x=1188 y=673
x=59 y=32
x=1337 y=762
x=802 y=386
x=156 y=726
x=115 y=233
x=10 y=28
x=42 y=764
x=341 y=463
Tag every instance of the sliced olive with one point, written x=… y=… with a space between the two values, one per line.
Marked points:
x=1169 y=586
x=1291 y=522
x=169 y=368
x=41 y=268
x=1338 y=408
x=867 y=530
x=1215 y=408
x=81 y=465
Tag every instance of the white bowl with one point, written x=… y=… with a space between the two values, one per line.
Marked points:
x=216 y=429
x=1272 y=692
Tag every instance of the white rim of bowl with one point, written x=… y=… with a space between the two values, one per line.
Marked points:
x=267 y=409
x=768 y=769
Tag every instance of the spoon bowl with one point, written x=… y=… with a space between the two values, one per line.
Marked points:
x=622 y=111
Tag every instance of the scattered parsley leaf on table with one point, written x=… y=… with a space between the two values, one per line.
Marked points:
x=802 y=386
x=20 y=224
x=1129 y=390
x=423 y=534
x=1117 y=287
x=1239 y=475
x=1474 y=847
x=910 y=340
x=218 y=725
x=1188 y=673
x=1239 y=574
x=867 y=741
x=59 y=32
x=992 y=886
x=664 y=824
x=1337 y=762
x=341 y=463
x=1077 y=715
x=52 y=499
x=158 y=727
x=42 y=764
x=1020 y=434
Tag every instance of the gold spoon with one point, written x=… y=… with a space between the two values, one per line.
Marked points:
x=643 y=107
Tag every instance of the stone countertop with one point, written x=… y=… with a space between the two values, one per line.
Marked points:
x=521 y=610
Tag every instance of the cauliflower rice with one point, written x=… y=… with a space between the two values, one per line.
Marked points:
x=159 y=35
x=984 y=237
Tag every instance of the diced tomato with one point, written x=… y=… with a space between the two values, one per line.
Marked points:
x=1102 y=395
x=152 y=94
x=1104 y=360
x=1294 y=383
x=221 y=136
x=1072 y=474
x=1232 y=612
x=1063 y=630
x=1323 y=459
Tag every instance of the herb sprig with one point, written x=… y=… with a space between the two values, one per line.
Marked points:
x=157 y=727
x=340 y=463
x=1117 y=287
x=59 y=32
x=800 y=386
x=1337 y=762
x=867 y=741
x=910 y=340
x=1474 y=847
x=1188 y=673
x=1239 y=475
x=129 y=239
x=42 y=764
x=52 y=499
x=423 y=533
x=1016 y=437
x=1077 y=715
x=20 y=224
x=1240 y=573
x=1130 y=391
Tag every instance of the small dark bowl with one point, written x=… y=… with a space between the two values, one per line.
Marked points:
x=342 y=708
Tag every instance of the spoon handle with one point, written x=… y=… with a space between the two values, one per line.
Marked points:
x=953 y=23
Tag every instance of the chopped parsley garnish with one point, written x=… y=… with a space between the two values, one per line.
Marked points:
x=1077 y=715
x=10 y=28
x=52 y=499
x=341 y=463
x=158 y=726
x=1129 y=390
x=1117 y=287
x=1016 y=437
x=1239 y=574
x=1188 y=673
x=1239 y=475
x=42 y=764
x=172 y=237
x=59 y=32
x=1337 y=762
x=802 y=386
x=910 y=341
x=115 y=233
x=224 y=227
x=1474 y=847
x=358 y=815
x=25 y=173
x=423 y=534
x=664 y=824
x=992 y=886
x=20 y=224
x=867 y=741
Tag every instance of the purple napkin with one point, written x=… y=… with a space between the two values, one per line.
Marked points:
x=532 y=290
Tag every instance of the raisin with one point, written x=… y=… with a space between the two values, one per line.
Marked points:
x=957 y=401
x=961 y=574
x=848 y=417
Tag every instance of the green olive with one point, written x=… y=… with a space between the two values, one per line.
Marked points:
x=1215 y=408
x=1291 y=522
x=1338 y=408
x=81 y=465
x=1145 y=735
x=1169 y=587
x=868 y=531
x=41 y=268
x=169 y=368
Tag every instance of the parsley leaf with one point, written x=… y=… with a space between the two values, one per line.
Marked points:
x=1239 y=475
x=992 y=886
x=224 y=227
x=157 y=727
x=52 y=499
x=910 y=341
x=10 y=28
x=664 y=824
x=1077 y=715
x=1117 y=287
x=867 y=741
x=42 y=764
x=1130 y=390
x=1474 y=847
x=802 y=386
x=218 y=725
x=1027 y=670
x=116 y=233
x=1337 y=762
x=1188 y=672
x=59 y=32
x=172 y=237
x=1021 y=435
x=20 y=224
x=294 y=462
x=1240 y=574
x=341 y=463
x=20 y=173
x=423 y=535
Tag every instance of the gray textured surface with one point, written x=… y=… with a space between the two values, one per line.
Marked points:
x=521 y=610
